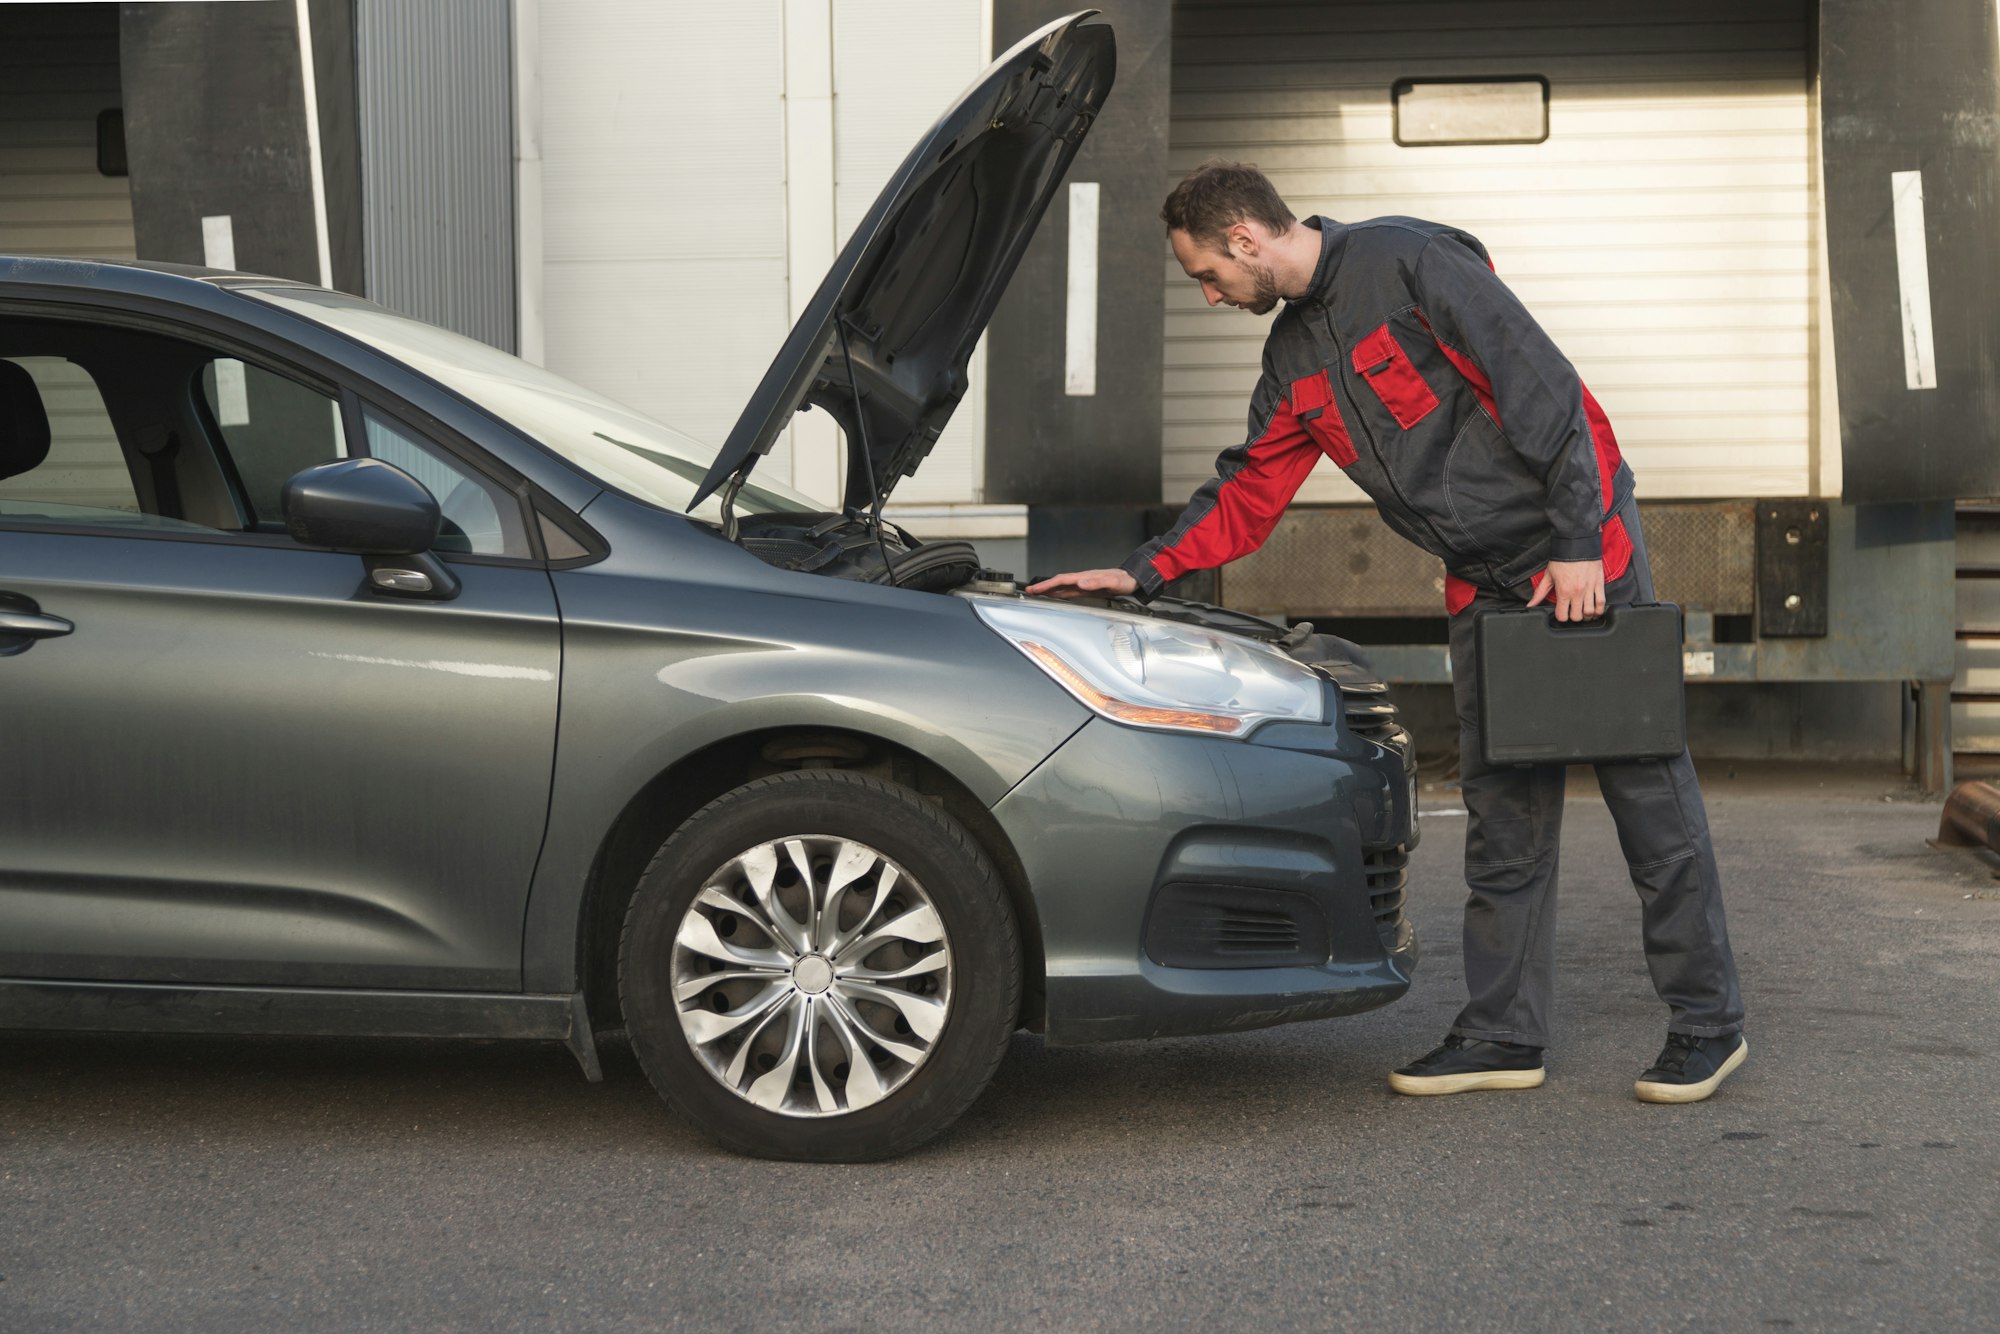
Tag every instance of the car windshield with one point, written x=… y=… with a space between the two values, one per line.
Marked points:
x=620 y=447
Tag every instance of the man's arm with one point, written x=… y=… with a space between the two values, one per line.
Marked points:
x=1539 y=399
x=1232 y=513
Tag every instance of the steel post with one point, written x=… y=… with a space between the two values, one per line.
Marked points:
x=1934 y=737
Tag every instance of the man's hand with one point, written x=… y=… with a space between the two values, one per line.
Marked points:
x=1574 y=587
x=1105 y=583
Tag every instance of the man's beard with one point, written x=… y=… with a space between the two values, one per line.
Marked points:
x=1266 y=285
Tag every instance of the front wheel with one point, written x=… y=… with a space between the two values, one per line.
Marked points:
x=820 y=965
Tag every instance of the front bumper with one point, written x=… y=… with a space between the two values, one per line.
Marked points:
x=1119 y=818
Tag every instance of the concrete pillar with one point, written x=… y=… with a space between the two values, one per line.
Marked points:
x=1911 y=184
x=1073 y=402
x=1934 y=737
x=217 y=124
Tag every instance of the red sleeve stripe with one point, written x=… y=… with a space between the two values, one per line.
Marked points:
x=1608 y=457
x=1249 y=500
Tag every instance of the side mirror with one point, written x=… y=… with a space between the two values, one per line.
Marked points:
x=378 y=512
x=365 y=506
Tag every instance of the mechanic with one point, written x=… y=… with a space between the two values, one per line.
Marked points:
x=1400 y=355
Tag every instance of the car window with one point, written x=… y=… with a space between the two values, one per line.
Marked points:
x=618 y=446
x=271 y=427
x=479 y=517
x=154 y=434
x=85 y=477
x=93 y=516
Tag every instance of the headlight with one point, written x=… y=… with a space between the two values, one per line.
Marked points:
x=1155 y=673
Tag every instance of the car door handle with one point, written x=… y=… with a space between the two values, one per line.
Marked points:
x=33 y=625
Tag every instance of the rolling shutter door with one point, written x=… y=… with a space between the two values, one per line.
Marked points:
x=58 y=70
x=1663 y=233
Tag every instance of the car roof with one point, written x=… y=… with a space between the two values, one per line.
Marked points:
x=142 y=278
x=203 y=295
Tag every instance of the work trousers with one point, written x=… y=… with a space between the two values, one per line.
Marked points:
x=1513 y=830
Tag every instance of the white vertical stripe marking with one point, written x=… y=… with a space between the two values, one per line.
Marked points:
x=976 y=372
x=811 y=218
x=232 y=393
x=1080 y=326
x=530 y=321
x=218 y=251
x=312 y=145
x=1913 y=277
x=218 y=242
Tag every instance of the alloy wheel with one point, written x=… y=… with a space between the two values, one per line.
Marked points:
x=812 y=975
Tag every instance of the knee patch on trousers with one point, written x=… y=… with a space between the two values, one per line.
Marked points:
x=1503 y=842
x=1503 y=877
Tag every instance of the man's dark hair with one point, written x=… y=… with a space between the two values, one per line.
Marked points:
x=1217 y=195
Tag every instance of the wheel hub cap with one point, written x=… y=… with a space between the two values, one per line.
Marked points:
x=812 y=975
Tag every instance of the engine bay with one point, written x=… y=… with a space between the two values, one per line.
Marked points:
x=858 y=547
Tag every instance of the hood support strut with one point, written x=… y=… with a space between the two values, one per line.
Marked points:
x=727 y=498
x=867 y=454
x=728 y=503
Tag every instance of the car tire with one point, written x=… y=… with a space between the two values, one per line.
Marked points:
x=793 y=1036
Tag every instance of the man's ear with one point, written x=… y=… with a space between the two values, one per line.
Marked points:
x=1240 y=241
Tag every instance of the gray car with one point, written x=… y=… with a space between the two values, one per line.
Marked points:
x=357 y=678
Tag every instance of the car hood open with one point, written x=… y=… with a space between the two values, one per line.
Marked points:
x=918 y=281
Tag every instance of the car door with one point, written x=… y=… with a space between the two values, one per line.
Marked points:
x=228 y=761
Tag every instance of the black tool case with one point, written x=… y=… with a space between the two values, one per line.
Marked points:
x=1580 y=692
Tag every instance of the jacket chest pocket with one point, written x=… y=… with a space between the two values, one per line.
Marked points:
x=1380 y=360
x=1312 y=403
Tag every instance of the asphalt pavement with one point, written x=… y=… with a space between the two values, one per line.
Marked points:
x=1847 y=1178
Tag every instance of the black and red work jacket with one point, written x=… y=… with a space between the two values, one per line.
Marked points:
x=1416 y=370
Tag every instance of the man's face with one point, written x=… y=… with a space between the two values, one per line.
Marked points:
x=1235 y=276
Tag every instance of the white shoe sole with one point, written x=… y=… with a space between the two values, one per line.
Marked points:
x=1692 y=1092
x=1423 y=1086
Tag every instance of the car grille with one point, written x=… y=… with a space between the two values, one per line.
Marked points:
x=1234 y=926
x=1369 y=714
x=1388 y=871
x=1248 y=930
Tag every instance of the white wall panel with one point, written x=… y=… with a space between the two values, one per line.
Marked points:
x=894 y=73
x=664 y=202
x=665 y=193
x=1663 y=233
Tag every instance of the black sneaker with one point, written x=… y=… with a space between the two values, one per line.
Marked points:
x=1689 y=1069
x=1461 y=1065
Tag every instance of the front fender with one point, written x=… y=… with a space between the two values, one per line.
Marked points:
x=642 y=690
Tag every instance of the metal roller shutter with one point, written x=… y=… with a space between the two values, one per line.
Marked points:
x=58 y=70
x=1663 y=233
x=438 y=207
